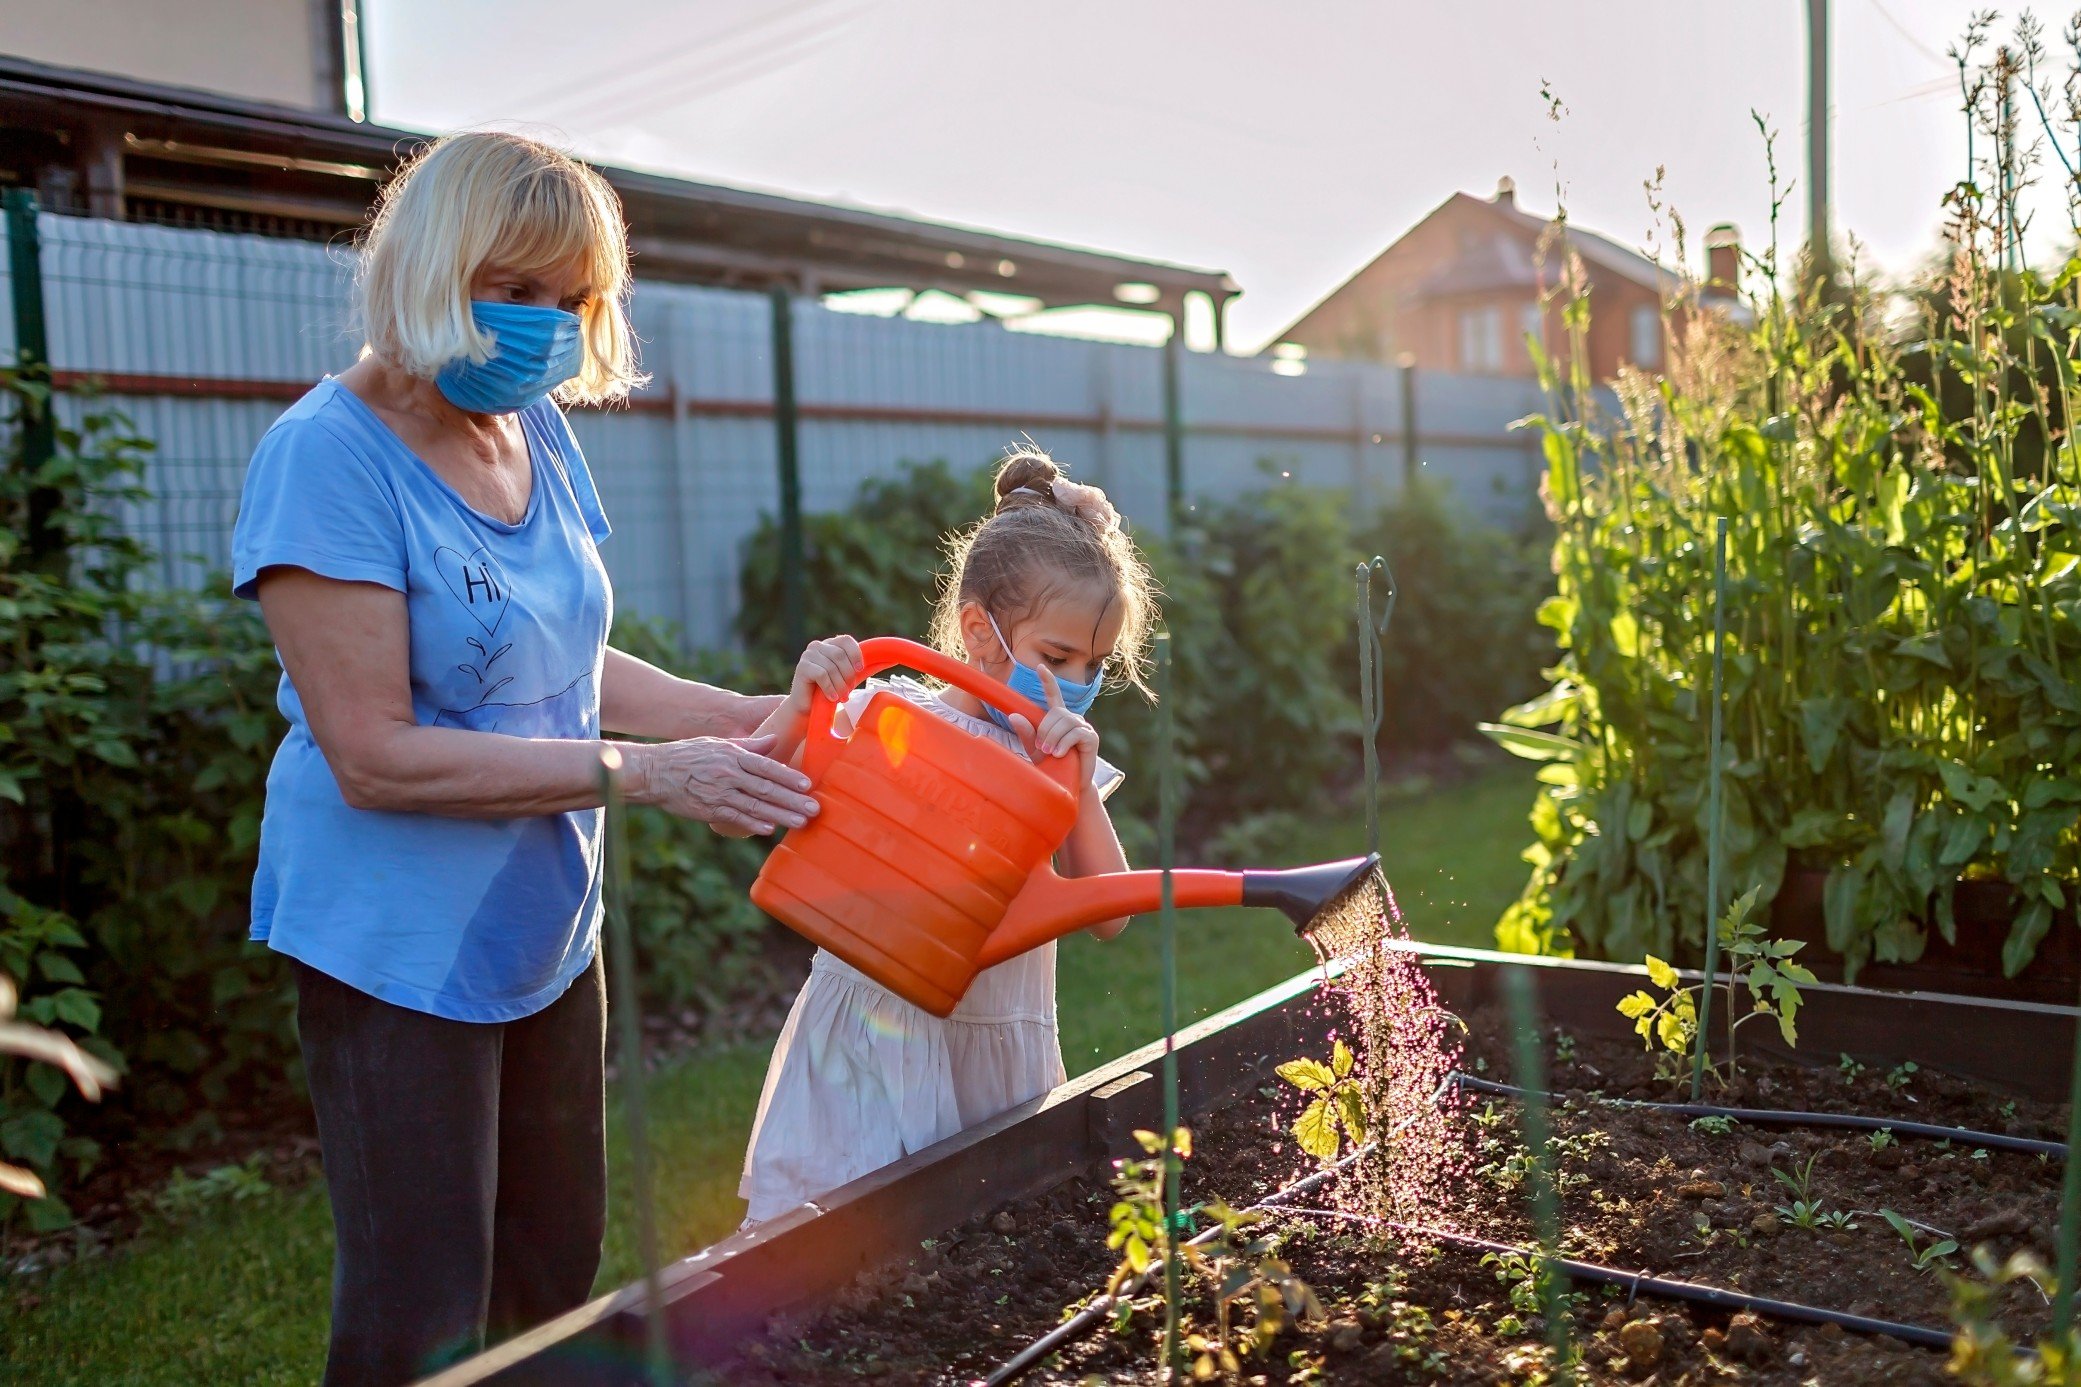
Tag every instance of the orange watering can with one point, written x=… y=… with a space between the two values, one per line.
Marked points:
x=930 y=858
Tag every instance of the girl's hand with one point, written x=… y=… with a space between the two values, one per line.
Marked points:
x=1061 y=732
x=832 y=664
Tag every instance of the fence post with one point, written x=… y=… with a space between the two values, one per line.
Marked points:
x=1173 y=429
x=39 y=436
x=794 y=620
x=686 y=512
x=1407 y=374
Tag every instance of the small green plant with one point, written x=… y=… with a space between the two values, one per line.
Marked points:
x=1136 y=1219
x=1763 y=967
x=1714 y=1124
x=1244 y=1268
x=1564 y=1046
x=1337 y=1111
x=1837 y=1221
x=1850 y=1070
x=1982 y=1353
x=1898 y=1077
x=185 y=1195
x=1882 y=1139
x=1489 y=1118
x=1804 y=1214
x=1409 y=1328
x=2008 y=1111
x=1799 y=1180
x=1928 y=1256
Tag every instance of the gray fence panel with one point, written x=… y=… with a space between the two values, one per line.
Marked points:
x=203 y=337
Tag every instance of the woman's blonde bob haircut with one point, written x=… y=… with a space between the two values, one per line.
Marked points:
x=485 y=197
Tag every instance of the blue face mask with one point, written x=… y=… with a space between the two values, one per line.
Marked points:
x=536 y=350
x=1026 y=681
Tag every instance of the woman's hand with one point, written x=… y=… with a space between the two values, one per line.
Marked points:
x=833 y=664
x=1061 y=732
x=728 y=783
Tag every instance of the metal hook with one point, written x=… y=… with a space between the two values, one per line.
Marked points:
x=1372 y=686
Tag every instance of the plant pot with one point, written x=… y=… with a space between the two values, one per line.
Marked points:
x=1972 y=966
x=718 y=1298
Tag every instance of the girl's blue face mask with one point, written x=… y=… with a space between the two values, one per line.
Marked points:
x=1026 y=681
x=535 y=350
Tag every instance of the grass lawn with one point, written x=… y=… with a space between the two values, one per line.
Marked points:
x=240 y=1295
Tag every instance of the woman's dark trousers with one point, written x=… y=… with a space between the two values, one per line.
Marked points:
x=467 y=1170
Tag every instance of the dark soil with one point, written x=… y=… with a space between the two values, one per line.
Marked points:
x=1641 y=1190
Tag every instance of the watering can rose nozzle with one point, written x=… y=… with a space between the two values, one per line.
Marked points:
x=1309 y=896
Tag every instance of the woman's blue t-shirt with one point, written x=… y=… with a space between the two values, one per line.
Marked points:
x=469 y=919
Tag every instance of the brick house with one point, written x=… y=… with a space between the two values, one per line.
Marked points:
x=1462 y=290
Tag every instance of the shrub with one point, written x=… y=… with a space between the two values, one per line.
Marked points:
x=1902 y=630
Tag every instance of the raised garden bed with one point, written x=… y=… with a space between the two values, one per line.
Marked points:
x=944 y=1267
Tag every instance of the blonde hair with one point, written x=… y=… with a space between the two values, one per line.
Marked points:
x=1039 y=542
x=485 y=197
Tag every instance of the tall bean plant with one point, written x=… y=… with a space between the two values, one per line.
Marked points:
x=1904 y=634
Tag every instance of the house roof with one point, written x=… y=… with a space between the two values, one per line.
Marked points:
x=1506 y=259
x=195 y=148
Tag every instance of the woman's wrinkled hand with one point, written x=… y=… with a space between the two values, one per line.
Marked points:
x=728 y=783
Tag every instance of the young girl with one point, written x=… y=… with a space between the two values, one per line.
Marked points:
x=1049 y=596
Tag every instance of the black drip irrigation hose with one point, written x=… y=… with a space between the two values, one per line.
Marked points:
x=1639 y=1283
x=1772 y=1117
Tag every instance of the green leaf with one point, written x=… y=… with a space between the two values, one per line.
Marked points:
x=1530 y=744
x=2025 y=931
x=1310 y=1076
x=56 y=967
x=1928 y=647
x=1820 y=725
x=1316 y=1131
x=79 y=1008
x=1810 y=828
x=1546 y=710
x=32 y=1137
x=1351 y=1105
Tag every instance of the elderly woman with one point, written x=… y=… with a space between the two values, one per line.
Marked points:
x=423 y=538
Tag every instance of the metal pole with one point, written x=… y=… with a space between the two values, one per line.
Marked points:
x=628 y=1011
x=786 y=427
x=38 y=428
x=1407 y=378
x=1551 y=1282
x=1715 y=807
x=1166 y=853
x=1372 y=683
x=1173 y=428
x=2069 y=1254
x=1818 y=247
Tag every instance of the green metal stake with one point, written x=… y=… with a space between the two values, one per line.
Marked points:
x=38 y=431
x=1173 y=430
x=1715 y=808
x=794 y=618
x=1166 y=853
x=2069 y=1259
x=622 y=963
x=1530 y=1074
x=1372 y=683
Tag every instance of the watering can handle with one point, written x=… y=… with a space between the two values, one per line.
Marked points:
x=889 y=652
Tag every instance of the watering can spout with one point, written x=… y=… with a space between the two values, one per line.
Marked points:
x=1052 y=905
x=1309 y=895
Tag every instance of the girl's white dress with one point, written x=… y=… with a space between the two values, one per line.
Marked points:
x=860 y=1077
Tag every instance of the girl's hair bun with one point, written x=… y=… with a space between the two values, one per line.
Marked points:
x=1026 y=476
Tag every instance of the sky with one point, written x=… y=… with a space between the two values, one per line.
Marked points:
x=1284 y=143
